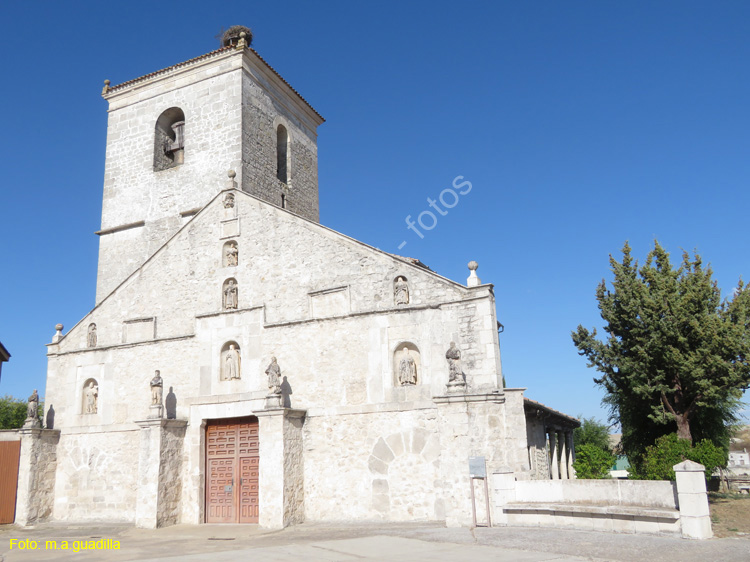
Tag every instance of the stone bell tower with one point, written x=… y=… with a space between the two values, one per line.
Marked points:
x=173 y=134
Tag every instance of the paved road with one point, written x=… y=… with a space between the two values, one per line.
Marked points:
x=397 y=543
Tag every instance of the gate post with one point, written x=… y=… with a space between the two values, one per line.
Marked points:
x=36 y=475
x=692 y=499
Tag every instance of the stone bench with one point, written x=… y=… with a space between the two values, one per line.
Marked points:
x=596 y=517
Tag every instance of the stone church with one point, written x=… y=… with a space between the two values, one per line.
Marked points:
x=246 y=364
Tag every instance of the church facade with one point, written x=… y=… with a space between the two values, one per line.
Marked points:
x=246 y=364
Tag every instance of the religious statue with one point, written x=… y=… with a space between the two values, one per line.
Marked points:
x=401 y=290
x=232 y=254
x=453 y=355
x=232 y=363
x=32 y=410
x=229 y=200
x=274 y=376
x=92 y=335
x=407 y=369
x=230 y=295
x=157 y=388
x=91 y=393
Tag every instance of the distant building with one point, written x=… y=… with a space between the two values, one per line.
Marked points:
x=739 y=459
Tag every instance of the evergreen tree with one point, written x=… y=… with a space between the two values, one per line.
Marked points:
x=676 y=356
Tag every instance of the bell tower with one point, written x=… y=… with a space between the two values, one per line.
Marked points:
x=173 y=134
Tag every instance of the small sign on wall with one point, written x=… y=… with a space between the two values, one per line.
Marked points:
x=477 y=467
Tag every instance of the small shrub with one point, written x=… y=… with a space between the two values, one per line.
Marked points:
x=668 y=450
x=593 y=462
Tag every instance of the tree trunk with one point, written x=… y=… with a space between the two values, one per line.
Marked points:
x=683 y=428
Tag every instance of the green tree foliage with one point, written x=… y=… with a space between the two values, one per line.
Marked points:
x=659 y=458
x=591 y=432
x=12 y=412
x=675 y=357
x=592 y=461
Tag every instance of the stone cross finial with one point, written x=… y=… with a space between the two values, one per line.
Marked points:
x=473 y=280
x=106 y=87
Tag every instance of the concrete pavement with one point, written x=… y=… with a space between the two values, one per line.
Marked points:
x=324 y=543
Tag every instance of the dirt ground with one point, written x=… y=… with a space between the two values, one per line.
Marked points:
x=730 y=514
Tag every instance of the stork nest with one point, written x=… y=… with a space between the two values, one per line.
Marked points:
x=232 y=35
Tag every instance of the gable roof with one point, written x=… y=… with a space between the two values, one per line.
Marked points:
x=411 y=262
x=113 y=89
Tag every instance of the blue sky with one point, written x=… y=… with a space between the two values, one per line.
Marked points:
x=579 y=125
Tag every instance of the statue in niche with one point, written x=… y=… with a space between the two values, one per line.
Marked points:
x=230 y=295
x=407 y=369
x=32 y=409
x=274 y=377
x=401 y=290
x=91 y=394
x=92 y=335
x=232 y=363
x=229 y=201
x=232 y=254
x=157 y=388
x=453 y=355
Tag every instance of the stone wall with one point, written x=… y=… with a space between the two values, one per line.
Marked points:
x=372 y=466
x=263 y=110
x=337 y=361
x=96 y=475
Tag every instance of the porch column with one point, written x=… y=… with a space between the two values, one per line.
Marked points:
x=563 y=455
x=554 y=467
x=571 y=454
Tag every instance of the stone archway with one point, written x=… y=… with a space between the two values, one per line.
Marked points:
x=404 y=468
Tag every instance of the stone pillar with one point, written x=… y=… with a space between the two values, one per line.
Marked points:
x=554 y=467
x=563 y=455
x=692 y=499
x=159 y=480
x=503 y=489
x=281 y=471
x=571 y=455
x=36 y=475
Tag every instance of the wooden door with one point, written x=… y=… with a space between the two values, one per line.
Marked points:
x=232 y=463
x=10 y=453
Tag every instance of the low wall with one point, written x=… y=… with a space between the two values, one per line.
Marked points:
x=625 y=506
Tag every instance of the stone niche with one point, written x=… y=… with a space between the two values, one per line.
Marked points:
x=230 y=364
x=407 y=365
x=90 y=397
x=230 y=254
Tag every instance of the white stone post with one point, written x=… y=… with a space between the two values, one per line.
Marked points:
x=554 y=467
x=692 y=499
x=148 y=474
x=563 y=455
x=503 y=493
